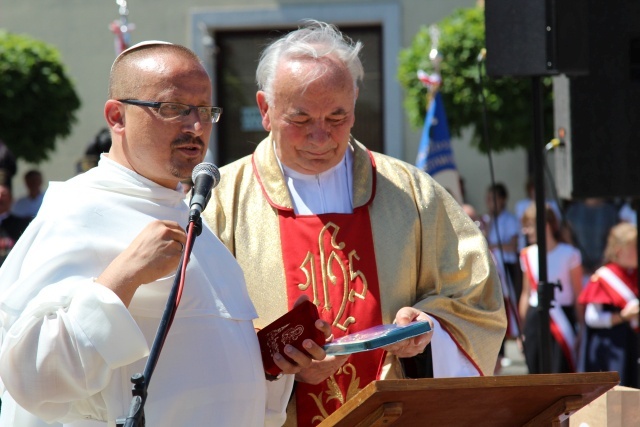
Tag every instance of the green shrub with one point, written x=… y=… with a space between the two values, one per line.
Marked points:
x=509 y=101
x=38 y=101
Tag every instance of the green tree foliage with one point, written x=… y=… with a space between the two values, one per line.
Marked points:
x=508 y=100
x=38 y=102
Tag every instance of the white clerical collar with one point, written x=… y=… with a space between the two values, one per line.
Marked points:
x=288 y=172
x=328 y=192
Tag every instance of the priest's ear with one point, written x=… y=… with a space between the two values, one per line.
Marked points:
x=114 y=115
x=263 y=105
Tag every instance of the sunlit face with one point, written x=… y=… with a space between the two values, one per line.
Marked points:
x=627 y=256
x=310 y=125
x=164 y=151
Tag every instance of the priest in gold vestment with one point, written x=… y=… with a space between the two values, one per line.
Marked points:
x=367 y=238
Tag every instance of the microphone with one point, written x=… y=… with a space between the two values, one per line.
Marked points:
x=554 y=143
x=205 y=177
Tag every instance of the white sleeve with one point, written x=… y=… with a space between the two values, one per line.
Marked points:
x=448 y=360
x=64 y=347
x=278 y=395
x=596 y=318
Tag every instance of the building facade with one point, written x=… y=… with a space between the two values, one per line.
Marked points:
x=228 y=35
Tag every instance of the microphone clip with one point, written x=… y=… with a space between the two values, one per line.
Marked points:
x=196 y=219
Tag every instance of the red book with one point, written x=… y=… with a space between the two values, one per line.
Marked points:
x=292 y=328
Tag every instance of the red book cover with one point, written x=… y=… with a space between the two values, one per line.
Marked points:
x=292 y=328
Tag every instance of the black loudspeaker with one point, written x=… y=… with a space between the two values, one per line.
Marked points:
x=536 y=37
x=598 y=115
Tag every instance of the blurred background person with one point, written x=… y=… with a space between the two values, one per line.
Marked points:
x=502 y=233
x=564 y=266
x=11 y=226
x=611 y=313
x=522 y=205
x=589 y=221
x=27 y=206
x=628 y=212
x=502 y=229
x=8 y=165
x=101 y=143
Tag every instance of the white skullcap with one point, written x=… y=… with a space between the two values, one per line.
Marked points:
x=139 y=45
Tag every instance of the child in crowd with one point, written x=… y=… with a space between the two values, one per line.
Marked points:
x=564 y=266
x=611 y=314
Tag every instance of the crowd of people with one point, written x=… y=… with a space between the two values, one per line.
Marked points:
x=592 y=266
x=312 y=215
x=16 y=214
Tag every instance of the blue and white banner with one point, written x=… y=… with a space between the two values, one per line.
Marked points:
x=435 y=153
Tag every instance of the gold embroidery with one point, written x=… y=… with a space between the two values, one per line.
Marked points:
x=345 y=291
x=328 y=264
x=353 y=275
x=333 y=391
x=323 y=266
x=311 y=278
x=320 y=406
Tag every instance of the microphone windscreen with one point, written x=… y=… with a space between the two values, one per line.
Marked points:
x=208 y=169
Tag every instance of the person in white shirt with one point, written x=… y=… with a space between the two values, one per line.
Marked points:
x=27 y=206
x=566 y=315
x=503 y=228
x=521 y=206
x=83 y=291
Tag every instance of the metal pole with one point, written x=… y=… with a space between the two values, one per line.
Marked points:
x=545 y=290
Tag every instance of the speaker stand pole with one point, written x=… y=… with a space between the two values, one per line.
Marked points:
x=545 y=290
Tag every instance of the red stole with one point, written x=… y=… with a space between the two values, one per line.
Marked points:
x=330 y=258
x=612 y=285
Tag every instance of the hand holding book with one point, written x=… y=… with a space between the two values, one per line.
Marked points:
x=411 y=347
x=299 y=324
x=290 y=332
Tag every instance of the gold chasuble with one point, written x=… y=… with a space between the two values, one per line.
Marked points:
x=407 y=243
x=330 y=258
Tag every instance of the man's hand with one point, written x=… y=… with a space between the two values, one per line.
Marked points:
x=321 y=368
x=318 y=371
x=310 y=369
x=411 y=346
x=153 y=254
x=314 y=369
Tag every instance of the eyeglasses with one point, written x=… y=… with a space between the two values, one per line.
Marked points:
x=172 y=110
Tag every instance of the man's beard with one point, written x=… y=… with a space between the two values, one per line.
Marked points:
x=183 y=169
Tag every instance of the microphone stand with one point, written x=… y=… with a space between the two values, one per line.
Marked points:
x=545 y=289
x=141 y=381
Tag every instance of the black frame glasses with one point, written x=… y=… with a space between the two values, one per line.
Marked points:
x=172 y=110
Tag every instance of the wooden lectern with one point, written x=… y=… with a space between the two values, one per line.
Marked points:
x=519 y=400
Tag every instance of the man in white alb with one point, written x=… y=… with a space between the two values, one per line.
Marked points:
x=83 y=291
